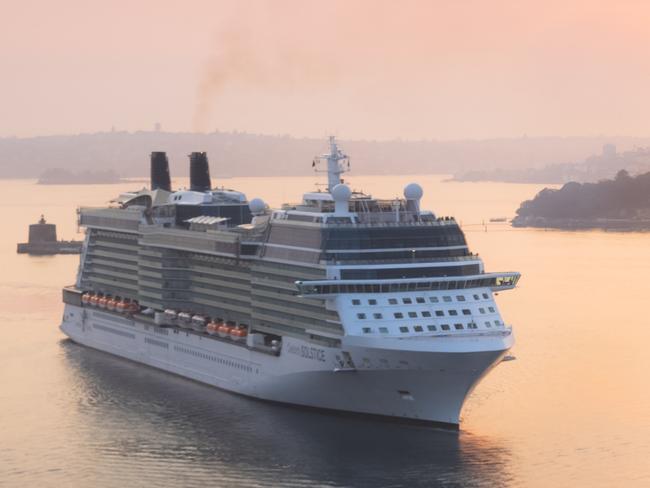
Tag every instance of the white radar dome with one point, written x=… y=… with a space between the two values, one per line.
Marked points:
x=257 y=206
x=341 y=193
x=413 y=191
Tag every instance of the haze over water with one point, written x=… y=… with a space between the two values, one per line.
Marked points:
x=572 y=410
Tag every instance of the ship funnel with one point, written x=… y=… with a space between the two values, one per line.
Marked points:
x=160 y=172
x=199 y=172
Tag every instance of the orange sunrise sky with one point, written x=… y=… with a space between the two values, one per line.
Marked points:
x=362 y=69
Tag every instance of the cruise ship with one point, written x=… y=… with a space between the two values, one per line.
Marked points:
x=343 y=302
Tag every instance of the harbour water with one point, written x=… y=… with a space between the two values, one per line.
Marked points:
x=572 y=410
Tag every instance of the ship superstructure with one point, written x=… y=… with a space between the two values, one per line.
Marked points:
x=343 y=302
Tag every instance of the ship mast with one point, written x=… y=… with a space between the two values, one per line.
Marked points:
x=336 y=164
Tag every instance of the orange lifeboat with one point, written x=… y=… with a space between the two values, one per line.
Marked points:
x=110 y=303
x=238 y=333
x=120 y=306
x=93 y=299
x=101 y=303
x=212 y=327
x=223 y=330
x=85 y=298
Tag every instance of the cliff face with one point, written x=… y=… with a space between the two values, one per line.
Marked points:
x=623 y=201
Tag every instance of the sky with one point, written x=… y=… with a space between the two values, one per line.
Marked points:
x=363 y=69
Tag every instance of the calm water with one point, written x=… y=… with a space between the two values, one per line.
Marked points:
x=572 y=410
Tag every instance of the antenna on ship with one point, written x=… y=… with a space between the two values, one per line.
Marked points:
x=337 y=164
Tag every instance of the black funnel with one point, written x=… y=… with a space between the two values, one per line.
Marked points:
x=199 y=172
x=160 y=172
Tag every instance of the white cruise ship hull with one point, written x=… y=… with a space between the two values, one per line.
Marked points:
x=402 y=379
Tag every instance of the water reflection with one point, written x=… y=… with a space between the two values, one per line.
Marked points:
x=135 y=422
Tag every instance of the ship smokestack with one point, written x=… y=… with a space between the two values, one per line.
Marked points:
x=199 y=172
x=160 y=179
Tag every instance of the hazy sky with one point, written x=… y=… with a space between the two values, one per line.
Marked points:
x=362 y=69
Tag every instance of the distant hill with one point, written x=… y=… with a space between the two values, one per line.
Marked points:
x=623 y=202
x=242 y=154
x=592 y=169
x=58 y=176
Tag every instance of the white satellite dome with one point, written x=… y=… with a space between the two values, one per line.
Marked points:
x=257 y=206
x=413 y=191
x=341 y=193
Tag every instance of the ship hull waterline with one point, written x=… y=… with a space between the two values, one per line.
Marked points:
x=396 y=385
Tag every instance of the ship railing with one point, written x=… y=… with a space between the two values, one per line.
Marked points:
x=410 y=223
x=320 y=289
x=445 y=259
x=127 y=219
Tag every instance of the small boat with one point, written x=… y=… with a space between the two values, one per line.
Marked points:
x=238 y=333
x=198 y=323
x=224 y=329
x=212 y=327
x=185 y=320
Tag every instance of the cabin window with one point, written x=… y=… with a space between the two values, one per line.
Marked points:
x=383 y=330
x=476 y=297
x=407 y=301
x=472 y=325
x=446 y=299
x=356 y=302
x=398 y=315
x=498 y=323
x=361 y=316
x=488 y=324
x=482 y=310
x=467 y=311
x=431 y=328
x=377 y=316
x=413 y=315
x=433 y=299
x=460 y=298
x=491 y=309
x=426 y=314
x=458 y=326
x=367 y=330
x=418 y=328
x=444 y=326
x=453 y=312
x=372 y=301
x=403 y=329
x=485 y=295
x=440 y=313
x=419 y=299
x=392 y=301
